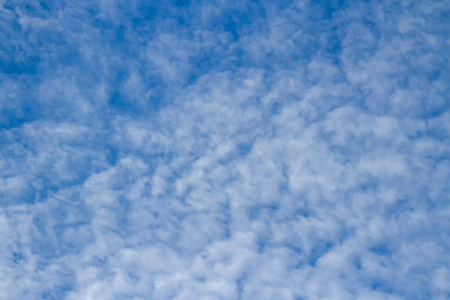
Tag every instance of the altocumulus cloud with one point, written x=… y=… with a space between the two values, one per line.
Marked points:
x=224 y=150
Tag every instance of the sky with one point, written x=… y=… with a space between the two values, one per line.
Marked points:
x=212 y=150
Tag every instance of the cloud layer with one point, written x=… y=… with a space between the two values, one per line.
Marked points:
x=253 y=150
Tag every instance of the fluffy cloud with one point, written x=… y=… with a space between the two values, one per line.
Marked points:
x=289 y=150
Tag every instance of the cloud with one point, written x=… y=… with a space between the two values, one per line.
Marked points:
x=291 y=150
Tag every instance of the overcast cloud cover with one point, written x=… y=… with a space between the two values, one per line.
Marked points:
x=224 y=150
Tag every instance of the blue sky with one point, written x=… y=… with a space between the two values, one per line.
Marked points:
x=224 y=150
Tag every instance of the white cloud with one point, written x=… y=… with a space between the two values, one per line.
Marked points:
x=158 y=153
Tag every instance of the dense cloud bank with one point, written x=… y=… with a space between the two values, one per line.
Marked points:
x=227 y=150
